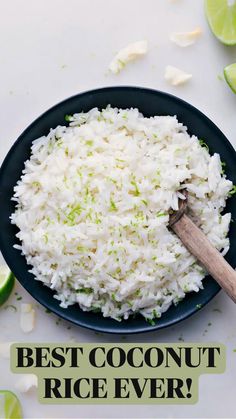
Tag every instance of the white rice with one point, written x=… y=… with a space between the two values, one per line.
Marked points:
x=92 y=210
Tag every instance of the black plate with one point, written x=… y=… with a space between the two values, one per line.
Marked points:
x=149 y=102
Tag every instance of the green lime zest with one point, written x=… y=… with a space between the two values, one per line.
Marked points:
x=136 y=189
x=113 y=206
x=68 y=118
x=203 y=144
x=84 y=291
x=161 y=214
x=232 y=191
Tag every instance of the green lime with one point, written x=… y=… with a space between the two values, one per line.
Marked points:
x=230 y=76
x=7 y=280
x=10 y=407
x=221 y=15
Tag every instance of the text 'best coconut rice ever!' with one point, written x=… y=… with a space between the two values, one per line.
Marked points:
x=93 y=209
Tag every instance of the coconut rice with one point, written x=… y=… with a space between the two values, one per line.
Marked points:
x=92 y=208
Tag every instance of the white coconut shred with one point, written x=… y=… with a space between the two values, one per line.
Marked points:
x=93 y=208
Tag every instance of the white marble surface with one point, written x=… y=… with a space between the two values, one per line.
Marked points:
x=52 y=49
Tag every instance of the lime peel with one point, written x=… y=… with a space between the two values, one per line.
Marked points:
x=221 y=16
x=7 y=280
x=10 y=407
x=230 y=76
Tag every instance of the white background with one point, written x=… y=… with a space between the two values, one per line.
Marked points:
x=52 y=49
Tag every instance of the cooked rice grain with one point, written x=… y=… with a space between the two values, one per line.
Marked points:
x=93 y=209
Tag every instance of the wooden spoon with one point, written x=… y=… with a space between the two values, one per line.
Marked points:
x=198 y=244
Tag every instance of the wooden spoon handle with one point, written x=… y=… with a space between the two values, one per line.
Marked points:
x=199 y=245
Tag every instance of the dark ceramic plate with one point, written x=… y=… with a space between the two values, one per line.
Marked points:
x=149 y=102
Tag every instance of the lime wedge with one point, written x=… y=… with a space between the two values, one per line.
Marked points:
x=10 y=407
x=230 y=76
x=221 y=15
x=6 y=283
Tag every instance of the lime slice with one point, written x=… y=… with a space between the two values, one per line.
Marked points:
x=6 y=283
x=10 y=407
x=221 y=15
x=230 y=76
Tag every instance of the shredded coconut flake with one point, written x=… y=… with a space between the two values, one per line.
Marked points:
x=27 y=318
x=185 y=39
x=26 y=382
x=175 y=76
x=127 y=54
